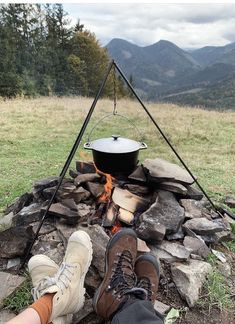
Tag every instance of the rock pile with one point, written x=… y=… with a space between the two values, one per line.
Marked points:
x=158 y=200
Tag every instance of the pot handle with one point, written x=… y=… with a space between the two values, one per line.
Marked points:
x=87 y=146
x=109 y=115
x=143 y=146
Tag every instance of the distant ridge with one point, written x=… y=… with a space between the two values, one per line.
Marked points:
x=163 y=70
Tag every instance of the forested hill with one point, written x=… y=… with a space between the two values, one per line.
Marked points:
x=41 y=54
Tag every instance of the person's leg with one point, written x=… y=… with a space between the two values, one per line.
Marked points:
x=28 y=316
x=141 y=312
x=119 y=277
x=63 y=293
x=68 y=283
x=147 y=270
x=125 y=296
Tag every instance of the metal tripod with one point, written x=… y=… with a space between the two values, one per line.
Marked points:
x=113 y=65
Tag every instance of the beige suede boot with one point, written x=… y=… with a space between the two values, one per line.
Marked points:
x=41 y=269
x=68 y=283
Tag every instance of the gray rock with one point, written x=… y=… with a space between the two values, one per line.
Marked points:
x=173 y=187
x=197 y=246
x=176 y=250
x=161 y=307
x=162 y=255
x=189 y=279
x=71 y=217
x=27 y=215
x=86 y=177
x=85 y=210
x=13 y=263
x=92 y=280
x=84 y=312
x=14 y=241
x=51 y=245
x=19 y=203
x=193 y=193
x=219 y=255
x=138 y=174
x=230 y=201
x=9 y=283
x=150 y=230
x=6 y=315
x=85 y=167
x=225 y=269
x=196 y=257
x=165 y=211
x=162 y=170
x=203 y=226
x=193 y=208
x=46 y=183
x=99 y=242
x=6 y=221
x=176 y=236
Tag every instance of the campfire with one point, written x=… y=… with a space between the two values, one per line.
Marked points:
x=158 y=200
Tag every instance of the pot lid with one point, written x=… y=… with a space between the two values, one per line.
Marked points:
x=115 y=144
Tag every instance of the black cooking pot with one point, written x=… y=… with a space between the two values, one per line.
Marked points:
x=115 y=154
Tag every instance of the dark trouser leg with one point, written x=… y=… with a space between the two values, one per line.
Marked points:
x=139 y=312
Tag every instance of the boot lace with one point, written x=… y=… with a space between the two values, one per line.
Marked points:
x=62 y=279
x=145 y=284
x=123 y=278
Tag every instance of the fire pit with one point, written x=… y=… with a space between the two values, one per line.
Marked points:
x=158 y=200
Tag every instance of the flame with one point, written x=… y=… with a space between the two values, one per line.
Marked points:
x=116 y=227
x=107 y=187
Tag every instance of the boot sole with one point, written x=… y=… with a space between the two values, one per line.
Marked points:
x=110 y=244
x=150 y=258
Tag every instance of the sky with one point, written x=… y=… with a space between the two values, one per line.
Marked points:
x=187 y=25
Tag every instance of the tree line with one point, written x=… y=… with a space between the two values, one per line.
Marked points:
x=42 y=54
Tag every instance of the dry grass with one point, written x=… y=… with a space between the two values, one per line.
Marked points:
x=37 y=135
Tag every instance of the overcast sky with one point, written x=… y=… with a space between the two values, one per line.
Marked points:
x=186 y=25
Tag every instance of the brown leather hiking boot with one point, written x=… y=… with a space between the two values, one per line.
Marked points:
x=147 y=270
x=119 y=277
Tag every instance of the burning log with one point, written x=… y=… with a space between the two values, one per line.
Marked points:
x=129 y=201
x=125 y=216
x=110 y=216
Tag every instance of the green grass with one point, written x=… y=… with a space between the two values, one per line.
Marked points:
x=36 y=136
x=212 y=259
x=217 y=293
x=20 y=299
x=230 y=245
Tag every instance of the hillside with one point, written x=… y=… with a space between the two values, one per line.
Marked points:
x=163 y=71
x=157 y=66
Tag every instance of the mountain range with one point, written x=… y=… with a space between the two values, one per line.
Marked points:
x=165 y=72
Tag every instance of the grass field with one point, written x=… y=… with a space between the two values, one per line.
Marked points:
x=36 y=136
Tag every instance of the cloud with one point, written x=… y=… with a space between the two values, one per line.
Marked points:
x=187 y=25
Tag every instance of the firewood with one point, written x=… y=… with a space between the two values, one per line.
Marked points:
x=125 y=216
x=129 y=201
x=110 y=216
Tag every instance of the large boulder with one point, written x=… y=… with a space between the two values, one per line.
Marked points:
x=165 y=211
x=203 y=226
x=189 y=279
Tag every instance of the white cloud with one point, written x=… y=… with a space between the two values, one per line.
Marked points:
x=187 y=25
